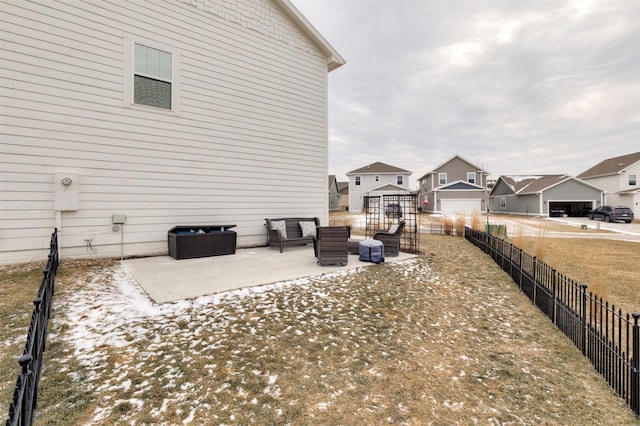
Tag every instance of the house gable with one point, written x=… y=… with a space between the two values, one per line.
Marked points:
x=503 y=186
x=388 y=187
x=460 y=185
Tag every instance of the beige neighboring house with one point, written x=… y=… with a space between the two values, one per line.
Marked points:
x=620 y=178
x=376 y=179
x=343 y=188
x=157 y=114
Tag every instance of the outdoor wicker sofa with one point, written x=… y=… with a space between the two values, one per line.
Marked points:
x=331 y=245
x=291 y=231
x=391 y=239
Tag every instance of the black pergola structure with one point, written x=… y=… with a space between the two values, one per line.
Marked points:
x=384 y=211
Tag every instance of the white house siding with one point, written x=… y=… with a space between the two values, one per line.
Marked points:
x=250 y=127
x=456 y=206
x=615 y=183
x=368 y=184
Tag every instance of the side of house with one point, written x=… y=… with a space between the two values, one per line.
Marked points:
x=343 y=188
x=546 y=195
x=116 y=129
x=334 y=194
x=620 y=177
x=454 y=186
x=375 y=179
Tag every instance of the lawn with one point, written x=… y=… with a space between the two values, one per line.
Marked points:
x=445 y=338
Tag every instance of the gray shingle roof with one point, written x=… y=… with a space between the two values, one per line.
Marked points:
x=378 y=167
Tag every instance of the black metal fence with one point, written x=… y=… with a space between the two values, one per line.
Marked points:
x=25 y=396
x=608 y=337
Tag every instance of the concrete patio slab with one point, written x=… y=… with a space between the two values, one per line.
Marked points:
x=165 y=279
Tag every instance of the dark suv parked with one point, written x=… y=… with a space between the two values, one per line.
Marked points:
x=612 y=214
x=393 y=210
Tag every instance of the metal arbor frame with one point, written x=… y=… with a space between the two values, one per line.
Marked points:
x=379 y=216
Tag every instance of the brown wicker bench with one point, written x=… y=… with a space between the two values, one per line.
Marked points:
x=294 y=235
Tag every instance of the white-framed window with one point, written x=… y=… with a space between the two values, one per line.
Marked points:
x=442 y=178
x=151 y=75
x=357 y=180
x=400 y=180
x=503 y=203
x=632 y=180
x=471 y=177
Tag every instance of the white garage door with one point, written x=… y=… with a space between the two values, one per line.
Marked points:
x=454 y=207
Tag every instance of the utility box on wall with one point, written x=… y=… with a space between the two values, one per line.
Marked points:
x=118 y=218
x=66 y=187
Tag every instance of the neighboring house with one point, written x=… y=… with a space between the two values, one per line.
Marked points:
x=620 y=177
x=456 y=186
x=375 y=180
x=161 y=113
x=343 y=188
x=334 y=194
x=547 y=195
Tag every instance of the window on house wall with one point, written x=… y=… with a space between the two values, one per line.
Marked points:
x=442 y=178
x=503 y=203
x=632 y=180
x=399 y=180
x=152 y=77
x=357 y=180
x=471 y=177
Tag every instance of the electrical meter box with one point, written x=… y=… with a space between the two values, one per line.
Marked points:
x=118 y=218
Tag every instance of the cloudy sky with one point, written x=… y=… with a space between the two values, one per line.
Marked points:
x=516 y=87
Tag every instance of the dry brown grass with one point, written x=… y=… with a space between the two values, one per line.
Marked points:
x=610 y=268
x=476 y=220
x=460 y=222
x=18 y=287
x=446 y=338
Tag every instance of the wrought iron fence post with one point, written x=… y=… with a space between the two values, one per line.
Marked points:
x=583 y=316
x=520 y=268
x=26 y=407
x=635 y=366
x=553 y=293
x=534 y=275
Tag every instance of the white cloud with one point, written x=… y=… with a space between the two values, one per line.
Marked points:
x=523 y=87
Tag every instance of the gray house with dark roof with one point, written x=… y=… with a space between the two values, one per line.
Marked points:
x=620 y=177
x=343 y=189
x=376 y=179
x=546 y=195
x=334 y=194
x=455 y=186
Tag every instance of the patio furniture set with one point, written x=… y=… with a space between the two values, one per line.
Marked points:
x=332 y=244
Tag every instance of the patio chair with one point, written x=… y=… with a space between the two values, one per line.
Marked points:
x=331 y=245
x=391 y=239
